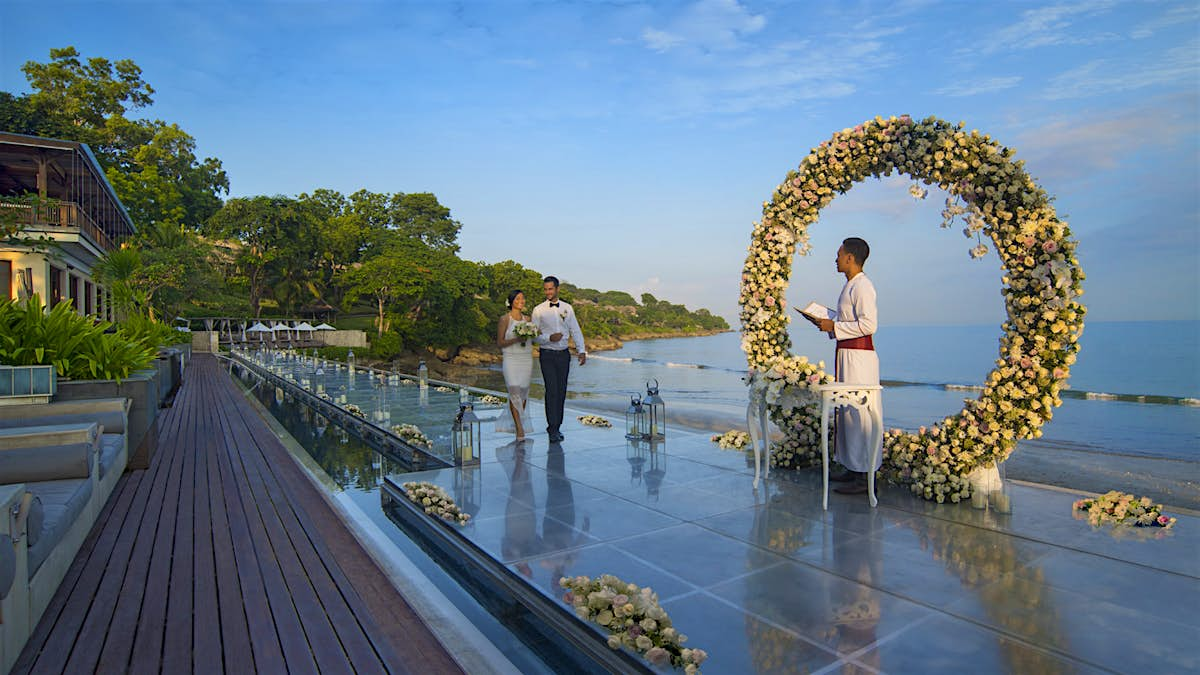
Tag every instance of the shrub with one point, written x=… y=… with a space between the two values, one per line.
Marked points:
x=145 y=331
x=75 y=345
x=387 y=346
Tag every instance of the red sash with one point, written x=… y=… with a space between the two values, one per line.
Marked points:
x=863 y=342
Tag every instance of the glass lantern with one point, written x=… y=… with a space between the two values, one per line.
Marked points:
x=465 y=436
x=635 y=419
x=468 y=489
x=656 y=413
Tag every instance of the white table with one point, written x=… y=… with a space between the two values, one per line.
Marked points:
x=865 y=397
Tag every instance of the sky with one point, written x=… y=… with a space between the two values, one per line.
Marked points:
x=630 y=145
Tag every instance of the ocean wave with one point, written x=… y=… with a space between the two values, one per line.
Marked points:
x=618 y=359
x=671 y=364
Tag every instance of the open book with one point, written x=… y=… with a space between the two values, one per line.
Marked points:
x=818 y=311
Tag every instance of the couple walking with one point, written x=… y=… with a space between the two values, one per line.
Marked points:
x=553 y=322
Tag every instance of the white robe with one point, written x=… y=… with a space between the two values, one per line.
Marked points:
x=857 y=317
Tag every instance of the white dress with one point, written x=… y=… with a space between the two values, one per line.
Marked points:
x=857 y=317
x=518 y=370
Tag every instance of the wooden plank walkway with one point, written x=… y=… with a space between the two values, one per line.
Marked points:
x=223 y=557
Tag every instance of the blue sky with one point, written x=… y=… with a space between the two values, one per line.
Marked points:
x=630 y=145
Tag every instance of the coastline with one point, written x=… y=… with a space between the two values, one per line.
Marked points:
x=486 y=354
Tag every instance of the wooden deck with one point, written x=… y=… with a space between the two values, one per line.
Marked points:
x=223 y=557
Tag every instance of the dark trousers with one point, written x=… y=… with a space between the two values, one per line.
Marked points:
x=555 y=363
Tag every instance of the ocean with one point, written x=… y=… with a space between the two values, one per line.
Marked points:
x=1135 y=389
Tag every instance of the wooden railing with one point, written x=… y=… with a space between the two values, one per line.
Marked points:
x=59 y=216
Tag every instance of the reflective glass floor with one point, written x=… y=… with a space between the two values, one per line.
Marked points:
x=767 y=582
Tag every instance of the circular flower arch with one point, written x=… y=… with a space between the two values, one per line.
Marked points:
x=1041 y=285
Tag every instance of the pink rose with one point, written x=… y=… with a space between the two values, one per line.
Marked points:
x=1163 y=520
x=1029 y=241
x=770 y=301
x=1050 y=246
x=814 y=378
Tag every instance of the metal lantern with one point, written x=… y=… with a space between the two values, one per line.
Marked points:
x=465 y=436
x=635 y=419
x=656 y=413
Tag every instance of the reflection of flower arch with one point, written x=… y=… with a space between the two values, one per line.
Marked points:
x=1042 y=282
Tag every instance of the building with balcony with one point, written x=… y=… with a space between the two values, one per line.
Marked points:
x=69 y=217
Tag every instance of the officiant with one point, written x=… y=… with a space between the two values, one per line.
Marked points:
x=853 y=324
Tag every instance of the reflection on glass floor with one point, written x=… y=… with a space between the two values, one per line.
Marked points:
x=766 y=581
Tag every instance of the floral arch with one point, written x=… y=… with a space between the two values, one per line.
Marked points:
x=1041 y=285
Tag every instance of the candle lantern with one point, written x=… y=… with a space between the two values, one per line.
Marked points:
x=635 y=419
x=465 y=436
x=656 y=413
x=423 y=375
x=350 y=360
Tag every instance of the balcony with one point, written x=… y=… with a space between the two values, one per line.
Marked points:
x=56 y=217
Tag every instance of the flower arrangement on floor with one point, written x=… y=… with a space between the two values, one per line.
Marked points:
x=411 y=434
x=434 y=501
x=633 y=619
x=355 y=410
x=594 y=421
x=405 y=382
x=1041 y=280
x=325 y=397
x=444 y=390
x=731 y=440
x=1120 y=508
x=525 y=331
x=488 y=399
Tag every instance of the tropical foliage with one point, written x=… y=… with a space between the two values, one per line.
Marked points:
x=77 y=347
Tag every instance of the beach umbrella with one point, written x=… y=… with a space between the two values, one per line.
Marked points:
x=304 y=325
x=324 y=326
x=259 y=328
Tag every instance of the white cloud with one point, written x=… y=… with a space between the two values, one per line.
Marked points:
x=975 y=87
x=1176 y=15
x=1048 y=26
x=706 y=25
x=1066 y=150
x=1177 y=66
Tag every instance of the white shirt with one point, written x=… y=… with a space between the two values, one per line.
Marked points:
x=550 y=320
x=857 y=314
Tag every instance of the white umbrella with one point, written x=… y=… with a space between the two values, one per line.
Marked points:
x=324 y=326
x=259 y=328
x=304 y=325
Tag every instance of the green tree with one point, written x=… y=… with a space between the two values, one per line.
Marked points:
x=151 y=164
x=276 y=247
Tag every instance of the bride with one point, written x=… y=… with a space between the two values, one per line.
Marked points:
x=517 y=366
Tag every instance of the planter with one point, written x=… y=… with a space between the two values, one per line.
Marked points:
x=26 y=384
x=142 y=390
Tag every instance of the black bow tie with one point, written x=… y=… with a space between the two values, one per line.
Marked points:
x=554 y=304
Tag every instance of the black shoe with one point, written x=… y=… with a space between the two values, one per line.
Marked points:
x=557 y=438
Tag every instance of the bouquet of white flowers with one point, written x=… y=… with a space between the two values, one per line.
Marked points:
x=633 y=619
x=409 y=433
x=434 y=500
x=355 y=410
x=732 y=440
x=526 y=331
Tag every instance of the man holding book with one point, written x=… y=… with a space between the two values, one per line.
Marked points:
x=852 y=325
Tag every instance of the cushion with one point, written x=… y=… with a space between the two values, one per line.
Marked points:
x=54 y=462
x=111 y=445
x=107 y=411
x=35 y=521
x=8 y=565
x=64 y=501
x=31 y=435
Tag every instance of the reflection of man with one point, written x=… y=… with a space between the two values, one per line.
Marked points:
x=856 y=361
x=558 y=524
x=855 y=606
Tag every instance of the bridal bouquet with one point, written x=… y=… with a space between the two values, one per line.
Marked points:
x=434 y=501
x=526 y=331
x=409 y=433
x=633 y=619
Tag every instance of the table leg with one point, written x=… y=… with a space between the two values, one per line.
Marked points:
x=825 y=452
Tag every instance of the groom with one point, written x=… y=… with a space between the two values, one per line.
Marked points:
x=555 y=320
